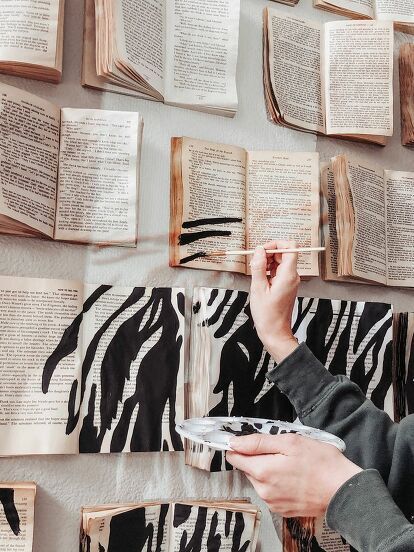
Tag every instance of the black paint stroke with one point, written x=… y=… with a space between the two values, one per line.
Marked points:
x=69 y=341
x=213 y=220
x=101 y=548
x=10 y=510
x=193 y=257
x=191 y=237
x=130 y=532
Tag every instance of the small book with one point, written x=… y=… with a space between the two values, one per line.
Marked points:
x=218 y=525
x=228 y=363
x=406 y=69
x=17 y=501
x=401 y=12
x=31 y=39
x=179 y=52
x=368 y=225
x=68 y=174
x=89 y=368
x=227 y=198
x=333 y=79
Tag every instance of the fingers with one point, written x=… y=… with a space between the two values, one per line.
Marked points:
x=258 y=268
x=260 y=443
x=257 y=467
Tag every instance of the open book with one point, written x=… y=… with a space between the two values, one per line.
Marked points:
x=68 y=174
x=89 y=368
x=218 y=525
x=179 y=52
x=368 y=223
x=31 y=39
x=227 y=198
x=333 y=78
x=401 y=12
x=228 y=366
x=406 y=69
x=17 y=501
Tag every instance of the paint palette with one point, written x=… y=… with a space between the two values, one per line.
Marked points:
x=216 y=432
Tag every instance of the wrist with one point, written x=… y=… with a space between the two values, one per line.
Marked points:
x=281 y=346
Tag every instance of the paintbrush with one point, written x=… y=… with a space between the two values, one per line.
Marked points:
x=272 y=251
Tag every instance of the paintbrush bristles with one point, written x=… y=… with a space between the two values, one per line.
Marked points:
x=270 y=251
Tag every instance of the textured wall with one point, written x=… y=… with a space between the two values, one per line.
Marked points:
x=68 y=482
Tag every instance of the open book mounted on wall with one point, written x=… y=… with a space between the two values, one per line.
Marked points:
x=89 y=368
x=406 y=71
x=333 y=79
x=214 y=525
x=227 y=198
x=68 y=174
x=31 y=39
x=17 y=500
x=401 y=12
x=173 y=51
x=368 y=223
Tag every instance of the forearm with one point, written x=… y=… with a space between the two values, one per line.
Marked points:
x=335 y=404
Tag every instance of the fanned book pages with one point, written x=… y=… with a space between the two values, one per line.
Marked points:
x=89 y=368
x=227 y=198
x=68 y=174
x=214 y=525
x=401 y=12
x=403 y=364
x=333 y=78
x=31 y=38
x=368 y=225
x=17 y=501
x=228 y=366
x=406 y=71
x=179 y=52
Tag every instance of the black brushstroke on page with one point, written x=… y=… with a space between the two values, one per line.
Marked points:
x=10 y=510
x=213 y=220
x=193 y=257
x=130 y=532
x=191 y=237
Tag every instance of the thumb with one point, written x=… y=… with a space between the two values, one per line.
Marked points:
x=260 y=443
x=258 y=267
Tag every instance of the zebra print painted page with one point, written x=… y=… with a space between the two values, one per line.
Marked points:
x=17 y=516
x=403 y=364
x=89 y=368
x=171 y=527
x=228 y=365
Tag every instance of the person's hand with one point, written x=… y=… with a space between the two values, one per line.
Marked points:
x=272 y=298
x=296 y=476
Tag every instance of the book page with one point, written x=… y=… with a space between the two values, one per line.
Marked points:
x=214 y=205
x=201 y=52
x=399 y=188
x=140 y=38
x=362 y=7
x=98 y=176
x=28 y=31
x=395 y=10
x=367 y=195
x=33 y=316
x=201 y=525
x=358 y=66
x=283 y=202
x=330 y=236
x=295 y=69
x=17 y=516
x=29 y=151
x=131 y=394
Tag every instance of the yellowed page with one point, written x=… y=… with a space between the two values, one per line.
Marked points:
x=201 y=52
x=29 y=150
x=368 y=199
x=214 y=203
x=140 y=38
x=395 y=10
x=283 y=202
x=98 y=176
x=28 y=31
x=33 y=317
x=295 y=69
x=358 y=65
x=399 y=188
x=17 y=516
x=362 y=7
